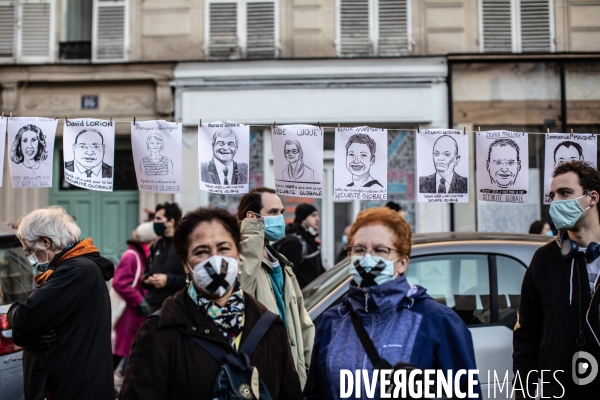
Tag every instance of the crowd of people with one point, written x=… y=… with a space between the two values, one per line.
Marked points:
x=213 y=303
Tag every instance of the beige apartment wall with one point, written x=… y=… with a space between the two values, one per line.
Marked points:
x=310 y=28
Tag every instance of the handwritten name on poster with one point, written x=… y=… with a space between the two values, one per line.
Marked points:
x=157 y=152
x=298 y=160
x=360 y=167
x=89 y=151
x=443 y=166
x=564 y=147
x=502 y=166
x=223 y=155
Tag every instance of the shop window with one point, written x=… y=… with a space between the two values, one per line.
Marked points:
x=241 y=29
x=370 y=28
x=27 y=31
x=516 y=26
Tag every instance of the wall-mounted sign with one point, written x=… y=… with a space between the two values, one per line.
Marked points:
x=89 y=102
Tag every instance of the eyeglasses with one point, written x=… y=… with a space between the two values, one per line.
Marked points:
x=380 y=251
x=28 y=252
x=87 y=147
x=291 y=151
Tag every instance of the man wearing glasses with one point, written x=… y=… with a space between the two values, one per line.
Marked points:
x=88 y=154
x=503 y=162
x=296 y=170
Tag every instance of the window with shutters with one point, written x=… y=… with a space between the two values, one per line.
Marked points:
x=373 y=28
x=77 y=35
x=516 y=26
x=27 y=31
x=110 y=28
x=241 y=29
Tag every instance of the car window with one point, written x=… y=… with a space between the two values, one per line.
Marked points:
x=459 y=281
x=16 y=273
x=510 y=278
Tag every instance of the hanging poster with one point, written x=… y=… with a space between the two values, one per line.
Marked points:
x=2 y=144
x=88 y=150
x=564 y=147
x=223 y=154
x=443 y=173
x=360 y=167
x=503 y=166
x=157 y=153
x=31 y=144
x=298 y=160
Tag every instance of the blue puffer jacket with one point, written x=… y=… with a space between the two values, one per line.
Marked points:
x=405 y=325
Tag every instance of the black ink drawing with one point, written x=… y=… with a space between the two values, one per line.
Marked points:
x=360 y=157
x=88 y=156
x=445 y=159
x=29 y=148
x=296 y=170
x=222 y=169
x=503 y=162
x=567 y=151
x=156 y=164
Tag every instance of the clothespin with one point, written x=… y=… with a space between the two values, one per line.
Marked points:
x=464 y=130
x=318 y=123
x=11 y=115
x=56 y=118
x=274 y=123
x=418 y=131
x=2 y=114
x=177 y=122
x=66 y=118
x=245 y=124
x=200 y=121
x=548 y=130
x=111 y=120
x=339 y=127
x=479 y=129
x=133 y=120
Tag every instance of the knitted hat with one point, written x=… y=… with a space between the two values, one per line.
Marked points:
x=145 y=232
x=303 y=210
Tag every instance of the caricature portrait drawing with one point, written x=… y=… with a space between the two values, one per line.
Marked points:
x=88 y=154
x=29 y=148
x=156 y=164
x=567 y=151
x=445 y=159
x=296 y=170
x=503 y=162
x=360 y=157
x=222 y=169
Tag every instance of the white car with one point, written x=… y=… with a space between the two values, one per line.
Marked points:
x=16 y=282
x=478 y=275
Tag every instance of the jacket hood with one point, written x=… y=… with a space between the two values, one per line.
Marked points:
x=397 y=293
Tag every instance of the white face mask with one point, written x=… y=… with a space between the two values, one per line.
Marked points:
x=216 y=274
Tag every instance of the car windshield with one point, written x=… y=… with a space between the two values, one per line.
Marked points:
x=318 y=289
x=16 y=273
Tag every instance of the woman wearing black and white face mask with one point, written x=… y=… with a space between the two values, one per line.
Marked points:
x=404 y=324
x=165 y=362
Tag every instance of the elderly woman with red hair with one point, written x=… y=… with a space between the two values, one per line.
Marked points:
x=406 y=326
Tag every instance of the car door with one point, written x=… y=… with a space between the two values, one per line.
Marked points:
x=484 y=291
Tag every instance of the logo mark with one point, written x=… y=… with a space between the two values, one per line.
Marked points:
x=584 y=364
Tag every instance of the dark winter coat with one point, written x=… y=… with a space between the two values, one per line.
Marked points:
x=307 y=266
x=555 y=297
x=166 y=363
x=162 y=260
x=73 y=301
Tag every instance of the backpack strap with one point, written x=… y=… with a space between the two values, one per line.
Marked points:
x=367 y=344
x=257 y=332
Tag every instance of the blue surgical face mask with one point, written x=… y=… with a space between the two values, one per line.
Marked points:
x=368 y=270
x=566 y=213
x=550 y=233
x=345 y=240
x=274 y=227
x=40 y=267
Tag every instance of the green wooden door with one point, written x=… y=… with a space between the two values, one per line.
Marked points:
x=107 y=217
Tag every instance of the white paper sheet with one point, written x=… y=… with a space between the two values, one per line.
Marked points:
x=2 y=144
x=502 y=166
x=89 y=151
x=31 y=151
x=157 y=153
x=563 y=147
x=443 y=166
x=223 y=156
x=298 y=160
x=360 y=163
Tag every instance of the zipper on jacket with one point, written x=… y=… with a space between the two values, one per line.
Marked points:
x=366 y=301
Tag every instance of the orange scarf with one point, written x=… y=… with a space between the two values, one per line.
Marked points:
x=84 y=247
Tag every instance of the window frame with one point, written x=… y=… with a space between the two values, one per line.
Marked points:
x=515 y=23
x=373 y=27
x=242 y=27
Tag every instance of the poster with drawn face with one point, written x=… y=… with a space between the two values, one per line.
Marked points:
x=565 y=147
x=223 y=156
x=298 y=160
x=157 y=153
x=503 y=166
x=360 y=163
x=2 y=144
x=31 y=151
x=89 y=151
x=443 y=166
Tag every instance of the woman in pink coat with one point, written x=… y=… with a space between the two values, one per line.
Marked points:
x=130 y=270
